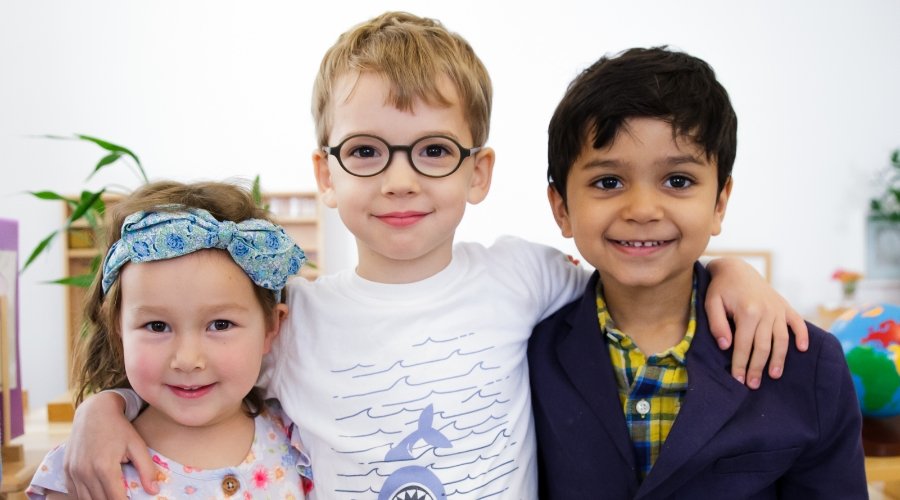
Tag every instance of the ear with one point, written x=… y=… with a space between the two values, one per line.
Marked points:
x=721 y=204
x=323 y=178
x=279 y=315
x=480 y=182
x=560 y=212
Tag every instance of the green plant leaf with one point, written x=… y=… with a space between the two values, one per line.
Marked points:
x=88 y=200
x=91 y=218
x=82 y=280
x=114 y=148
x=39 y=249
x=58 y=137
x=100 y=206
x=256 y=192
x=96 y=205
x=108 y=146
x=89 y=205
x=106 y=160
x=47 y=195
x=51 y=196
x=95 y=264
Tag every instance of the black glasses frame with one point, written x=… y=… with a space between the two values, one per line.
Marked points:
x=463 y=154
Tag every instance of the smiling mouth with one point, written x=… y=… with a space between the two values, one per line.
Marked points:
x=640 y=244
x=402 y=219
x=191 y=391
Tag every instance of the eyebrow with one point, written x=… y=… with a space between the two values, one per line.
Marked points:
x=212 y=309
x=667 y=161
x=422 y=135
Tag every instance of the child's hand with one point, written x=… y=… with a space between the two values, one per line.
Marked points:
x=101 y=440
x=761 y=318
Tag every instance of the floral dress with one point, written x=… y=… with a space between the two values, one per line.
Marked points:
x=275 y=468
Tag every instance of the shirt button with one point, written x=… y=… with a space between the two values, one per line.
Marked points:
x=230 y=485
x=642 y=407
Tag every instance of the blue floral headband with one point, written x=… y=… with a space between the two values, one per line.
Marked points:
x=259 y=247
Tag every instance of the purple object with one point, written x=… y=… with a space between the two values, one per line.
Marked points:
x=9 y=286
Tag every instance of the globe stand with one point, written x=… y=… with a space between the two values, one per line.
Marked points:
x=881 y=436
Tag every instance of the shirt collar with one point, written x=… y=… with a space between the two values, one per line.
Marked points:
x=677 y=353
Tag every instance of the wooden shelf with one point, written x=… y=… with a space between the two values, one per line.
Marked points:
x=82 y=253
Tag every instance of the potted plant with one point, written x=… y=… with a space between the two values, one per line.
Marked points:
x=87 y=209
x=883 y=226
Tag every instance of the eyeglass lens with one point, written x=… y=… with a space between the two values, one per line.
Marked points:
x=367 y=155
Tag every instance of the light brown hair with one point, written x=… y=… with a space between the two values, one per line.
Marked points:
x=99 y=362
x=412 y=53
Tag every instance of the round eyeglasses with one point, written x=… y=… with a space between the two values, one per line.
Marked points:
x=365 y=155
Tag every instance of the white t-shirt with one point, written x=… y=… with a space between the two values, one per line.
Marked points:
x=421 y=388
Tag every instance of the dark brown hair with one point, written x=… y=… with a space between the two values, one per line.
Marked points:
x=642 y=83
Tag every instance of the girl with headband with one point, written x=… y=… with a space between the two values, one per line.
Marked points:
x=187 y=304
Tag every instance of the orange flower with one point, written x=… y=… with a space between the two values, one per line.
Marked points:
x=845 y=276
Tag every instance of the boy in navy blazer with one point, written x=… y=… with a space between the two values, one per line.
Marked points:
x=632 y=398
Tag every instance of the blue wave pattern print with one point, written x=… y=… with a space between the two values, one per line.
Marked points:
x=432 y=425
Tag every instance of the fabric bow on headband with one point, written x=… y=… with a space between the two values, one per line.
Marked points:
x=259 y=247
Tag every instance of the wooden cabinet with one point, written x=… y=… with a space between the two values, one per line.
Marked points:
x=297 y=212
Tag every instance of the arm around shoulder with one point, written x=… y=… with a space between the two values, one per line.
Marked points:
x=102 y=439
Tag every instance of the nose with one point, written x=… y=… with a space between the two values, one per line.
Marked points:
x=400 y=178
x=188 y=355
x=642 y=205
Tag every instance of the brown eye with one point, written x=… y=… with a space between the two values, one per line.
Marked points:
x=679 y=182
x=608 y=183
x=220 y=324
x=435 y=151
x=157 y=326
x=364 y=152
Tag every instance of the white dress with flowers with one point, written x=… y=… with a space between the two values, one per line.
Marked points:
x=275 y=468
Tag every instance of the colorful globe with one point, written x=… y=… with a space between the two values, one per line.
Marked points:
x=870 y=336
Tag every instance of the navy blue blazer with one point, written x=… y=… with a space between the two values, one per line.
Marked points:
x=797 y=437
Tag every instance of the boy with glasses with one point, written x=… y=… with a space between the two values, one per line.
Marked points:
x=409 y=371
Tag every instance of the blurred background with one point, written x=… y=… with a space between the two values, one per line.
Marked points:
x=221 y=89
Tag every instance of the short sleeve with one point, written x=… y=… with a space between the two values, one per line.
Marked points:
x=296 y=454
x=133 y=402
x=552 y=278
x=50 y=477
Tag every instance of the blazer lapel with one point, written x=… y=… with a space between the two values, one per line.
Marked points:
x=584 y=356
x=712 y=399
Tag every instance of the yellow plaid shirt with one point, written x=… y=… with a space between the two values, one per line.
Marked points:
x=650 y=388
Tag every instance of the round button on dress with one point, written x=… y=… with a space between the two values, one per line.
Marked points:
x=230 y=485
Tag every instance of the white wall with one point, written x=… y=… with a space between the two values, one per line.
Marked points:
x=214 y=89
